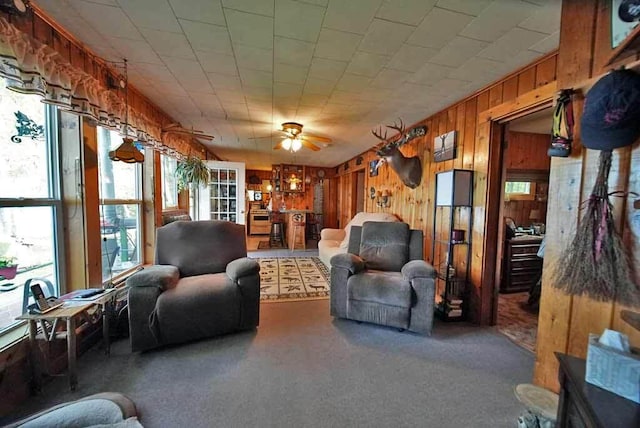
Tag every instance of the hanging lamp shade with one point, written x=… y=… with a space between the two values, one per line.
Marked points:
x=126 y=152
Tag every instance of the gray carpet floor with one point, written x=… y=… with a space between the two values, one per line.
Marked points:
x=301 y=368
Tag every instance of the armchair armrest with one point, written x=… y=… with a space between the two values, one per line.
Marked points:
x=418 y=269
x=160 y=276
x=348 y=261
x=332 y=234
x=242 y=267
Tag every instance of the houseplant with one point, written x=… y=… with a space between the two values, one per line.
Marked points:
x=192 y=171
x=8 y=267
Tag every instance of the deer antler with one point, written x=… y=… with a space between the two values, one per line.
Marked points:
x=400 y=128
x=378 y=134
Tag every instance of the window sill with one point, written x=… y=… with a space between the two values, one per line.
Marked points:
x=13 y=336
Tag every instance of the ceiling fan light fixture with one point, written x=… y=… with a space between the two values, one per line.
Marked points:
x=292 y=128
x=286 y=143
x=296 y=144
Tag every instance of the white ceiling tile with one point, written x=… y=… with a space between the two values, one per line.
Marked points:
x=136 y=51
x=294 y=52
x=319 y=86
x=289 y=73
x=389 y=78
x=224 y=82
x=298 y=20
x=327 y=69
x=353 y=82
x=337 y=45
x=469 y=7
x=353 y=16
x=458 y=51
x=281 y=89
x=162 y=17
x=168 y=44
x=261 y=7
x=217 y=63
x=546 y=20
x=548 y=44
x=250 y=29
x=254 y=58
x=514 y=41
x=209 y=11
x=367 y=64
x=315 y=100
x=186 y=70
x=498 y=18
x=448 y=86
x=384 y=37
x=316 y=2
x=207 y=37
x=108 y=20
x=438 y=28
x=410 y=57
x=476 y=66
x=158 y=73
x=256 y=78
x=406 y=11
x=430 y=73
x=230 y=96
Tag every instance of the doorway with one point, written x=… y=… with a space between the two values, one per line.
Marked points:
x=521 y=228
x=360 y=191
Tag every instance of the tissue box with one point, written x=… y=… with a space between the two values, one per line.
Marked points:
x=613 y=370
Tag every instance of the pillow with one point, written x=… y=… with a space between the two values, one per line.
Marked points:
x=359 y=219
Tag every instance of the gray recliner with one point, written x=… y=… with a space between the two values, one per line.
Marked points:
x=383 y=278
x=202 y=285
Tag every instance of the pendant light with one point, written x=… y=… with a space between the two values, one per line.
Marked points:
x=126 y=152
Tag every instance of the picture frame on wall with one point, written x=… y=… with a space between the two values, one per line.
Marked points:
x=444 y=146
x=624 y=18
x=373 y=171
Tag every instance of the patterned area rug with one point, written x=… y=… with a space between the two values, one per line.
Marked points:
x=293 y=278
x=516 y=321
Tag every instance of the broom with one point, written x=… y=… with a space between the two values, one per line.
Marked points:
x=595 y=263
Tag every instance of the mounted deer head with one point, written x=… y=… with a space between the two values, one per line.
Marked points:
x=408 y=169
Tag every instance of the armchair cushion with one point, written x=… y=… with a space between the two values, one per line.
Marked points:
x=359 y=219
x=418 y=269
x=386 y=288
x=160 y=276
x=385 y=245
x=348 y=261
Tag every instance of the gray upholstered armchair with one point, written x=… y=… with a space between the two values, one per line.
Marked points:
x=201 y=285
x=383 y=278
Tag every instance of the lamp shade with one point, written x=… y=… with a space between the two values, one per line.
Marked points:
x=126 y=152
x=453 y=188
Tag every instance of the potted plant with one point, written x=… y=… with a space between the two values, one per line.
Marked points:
x=8 y=267
x=192 y=171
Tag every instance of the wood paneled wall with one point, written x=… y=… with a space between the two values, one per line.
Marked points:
x=415 y=206
x=565 y=322
x=524 y=150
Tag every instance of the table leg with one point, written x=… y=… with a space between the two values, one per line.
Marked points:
x=36 y=384
x=106 y=307
x=71 y=350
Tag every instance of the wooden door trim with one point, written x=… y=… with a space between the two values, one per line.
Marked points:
x=530 y=102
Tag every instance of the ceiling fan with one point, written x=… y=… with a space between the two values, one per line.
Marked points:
x=294 y=139
x=176 y=128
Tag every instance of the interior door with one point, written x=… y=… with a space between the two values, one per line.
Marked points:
x=223 y=198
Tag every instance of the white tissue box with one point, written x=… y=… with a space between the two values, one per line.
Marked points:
x=613 y=370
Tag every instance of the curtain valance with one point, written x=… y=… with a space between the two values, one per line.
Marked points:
x=32 y=67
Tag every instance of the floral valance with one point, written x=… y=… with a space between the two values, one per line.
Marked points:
x=32 y=67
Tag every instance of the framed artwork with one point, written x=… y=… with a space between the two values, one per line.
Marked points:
x=624 y=18
x=373 y=171
x=444 y=146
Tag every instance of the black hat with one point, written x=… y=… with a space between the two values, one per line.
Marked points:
x=611 y=116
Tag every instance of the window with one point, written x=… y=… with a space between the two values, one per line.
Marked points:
x=120 y=187
x=519 y=190
x=169 y=184
x=30 y=205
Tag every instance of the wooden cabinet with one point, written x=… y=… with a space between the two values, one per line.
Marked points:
x=521 y=265
x=293 y=177
x=585 y=405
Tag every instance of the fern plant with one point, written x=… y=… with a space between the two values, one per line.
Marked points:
x=192 y=171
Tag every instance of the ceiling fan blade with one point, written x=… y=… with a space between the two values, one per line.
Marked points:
x=278 y=146
x=310 y=146
x=308 y=136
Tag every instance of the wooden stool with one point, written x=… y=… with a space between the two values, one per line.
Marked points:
x=298 y=223
x=276 y=233
x=541 y=403
x=313 y=226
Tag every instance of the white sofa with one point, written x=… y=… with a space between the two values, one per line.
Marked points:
x=335 y=241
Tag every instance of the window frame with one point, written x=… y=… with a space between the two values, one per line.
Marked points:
x=54 y=201
x=163 y=182
x=520 y=196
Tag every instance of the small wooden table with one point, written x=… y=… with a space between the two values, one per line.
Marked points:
x=68 y=313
